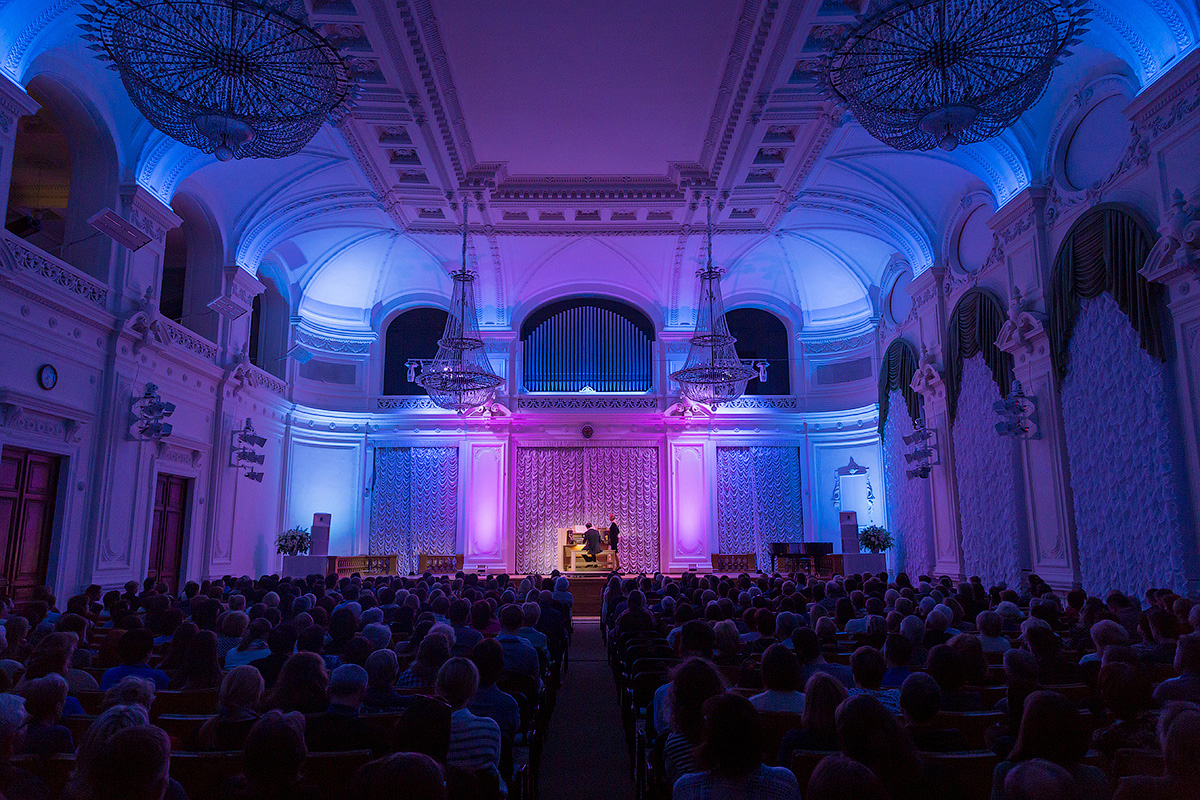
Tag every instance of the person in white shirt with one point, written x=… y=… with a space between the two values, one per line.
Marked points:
x=991 y=625
x=781 y=673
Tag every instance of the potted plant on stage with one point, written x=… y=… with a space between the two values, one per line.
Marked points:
x=875 y=539
x=293 y=542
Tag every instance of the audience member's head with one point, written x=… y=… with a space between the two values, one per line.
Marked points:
x=1051 y=730
x=732 y=744
x=348 y=686
x=692 y=684
x=920 y=698
x=274 y=753
x=457 y=682
x=780 y=670
x=132 y=765
x=822 y=695
x=1038 y=779
x=873 y=736
x=868 y=666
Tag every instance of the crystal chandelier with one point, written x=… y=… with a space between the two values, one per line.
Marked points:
x=920 y=74
x=234 y=78
x=713 y=373
x=460 y=377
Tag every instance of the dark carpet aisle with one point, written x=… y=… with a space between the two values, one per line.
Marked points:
x=585 y=756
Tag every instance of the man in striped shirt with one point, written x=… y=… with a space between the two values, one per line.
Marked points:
x=474 y=741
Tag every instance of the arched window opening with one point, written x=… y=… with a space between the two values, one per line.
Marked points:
x=762 y=336
x=269 y=321
x=587 y=344
x=192 y=269
x=40 y=189
x=411 y=335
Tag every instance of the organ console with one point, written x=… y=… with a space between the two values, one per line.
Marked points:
x=570 y=546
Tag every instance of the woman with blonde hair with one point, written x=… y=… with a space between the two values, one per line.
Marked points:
x=241 y=691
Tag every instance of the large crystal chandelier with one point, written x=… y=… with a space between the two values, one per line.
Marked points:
x=920 y=74
x=713 y=373
x=460 y=377
x=235 y=78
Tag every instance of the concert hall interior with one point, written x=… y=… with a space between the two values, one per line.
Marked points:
x=494 y=291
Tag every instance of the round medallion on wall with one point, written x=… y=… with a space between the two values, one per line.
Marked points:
x=47 y=376
x=587 y=431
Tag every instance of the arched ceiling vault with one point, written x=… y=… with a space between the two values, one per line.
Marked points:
x=583 y=136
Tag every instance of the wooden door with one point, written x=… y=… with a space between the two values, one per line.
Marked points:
x=170 y=523
x=28 y=491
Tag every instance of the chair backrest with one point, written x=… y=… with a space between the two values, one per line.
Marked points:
x=774 y=726
x=1074 y=692
x=202 y=775
x=78 y=726
x=187 y=701
x=973 y=724
x=182 y=727
x=330 y=772
x=644 y=685
x=55 y=771
x=656 y=664
x=970 y=772
x=1128 y=761
x=92 y=701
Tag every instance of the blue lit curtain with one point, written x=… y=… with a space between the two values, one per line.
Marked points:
x=758 y=500
x=562 y=486
x=414 y=503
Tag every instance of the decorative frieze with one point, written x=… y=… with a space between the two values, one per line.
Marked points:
x=587 y=404
x=24 y=258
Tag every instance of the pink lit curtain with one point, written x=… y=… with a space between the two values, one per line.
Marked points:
x=414 y=503
x=758 y=500
x=562 y=486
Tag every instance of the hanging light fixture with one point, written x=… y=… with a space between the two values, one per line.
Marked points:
x=713 y=373
x=234 y=78
x=920 y=74
x=460 y=377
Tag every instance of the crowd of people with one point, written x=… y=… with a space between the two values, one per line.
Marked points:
x=872 y=675
x=439 y=679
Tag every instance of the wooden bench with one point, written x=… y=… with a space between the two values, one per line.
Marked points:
x=773 y=726
x=969 y=772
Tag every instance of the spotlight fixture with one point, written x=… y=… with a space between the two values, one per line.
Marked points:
x=147 y=414
x=924 y=454
x=1016 y=412
x=243 y=451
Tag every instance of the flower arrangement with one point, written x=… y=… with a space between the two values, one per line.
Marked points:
x=295 y=541
x=875 y=539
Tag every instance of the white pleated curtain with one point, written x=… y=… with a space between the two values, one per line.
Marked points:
x=758 y=500
x=414 y=503
x=562 y=486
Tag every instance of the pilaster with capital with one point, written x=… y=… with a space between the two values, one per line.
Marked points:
x=1049 y=512
x=141 y=269
x=1175 y=263
x=943 y=486
x=14 y=104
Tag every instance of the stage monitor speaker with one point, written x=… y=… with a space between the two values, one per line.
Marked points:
x=320 y=535
x=848 y=520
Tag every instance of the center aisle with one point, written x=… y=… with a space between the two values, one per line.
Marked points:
x=585 y=756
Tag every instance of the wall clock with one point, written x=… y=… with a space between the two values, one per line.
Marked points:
x=47 y=376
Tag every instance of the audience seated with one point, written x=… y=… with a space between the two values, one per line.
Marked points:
x=241 y=691
x=1051 y=730
x=869 y=667
x=339 y=727
x=837 y=777
x=474 y=740
x=134 y=650
x=730 y=757
x=693 y=683
x=780 y=675
x=818 y=728
x=490 y=701
x=44 y=699
x=1186 y=685
x=920 y=701
x=1179 y=734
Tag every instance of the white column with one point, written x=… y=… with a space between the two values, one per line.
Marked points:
x=1049 y=514
x=943 y=484
x=488 y=536
x=14 y=104
x=691 y=494
x=1175 y=263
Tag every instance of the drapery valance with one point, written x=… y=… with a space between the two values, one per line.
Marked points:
x=974 y=327
x=1103 y=252
x=896 y=373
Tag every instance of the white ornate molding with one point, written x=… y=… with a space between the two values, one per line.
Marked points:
x=1175 y=259
x=24 y=259
x=40 y=417
x=14 y=103
x=147 y=213
x=1021 y=333
x=927 y=382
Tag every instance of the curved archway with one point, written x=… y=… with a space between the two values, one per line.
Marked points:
x=763 y=336
x=587 y=343
x=192 y=268
x=64 y=171
x=412 y=334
